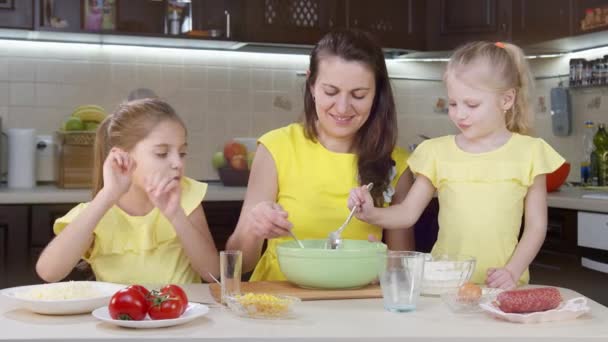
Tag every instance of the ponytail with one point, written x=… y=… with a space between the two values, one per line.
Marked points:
x=101 y=148
x=519 y=118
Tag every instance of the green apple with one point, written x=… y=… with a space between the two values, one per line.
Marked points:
x=218 y=160
x=90 y=125
x=73 y=124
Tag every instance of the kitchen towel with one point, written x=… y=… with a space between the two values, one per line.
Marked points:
x=21 y=157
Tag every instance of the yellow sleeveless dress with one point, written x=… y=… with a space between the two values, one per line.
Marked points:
x=481 y=196
x=140 y=249
x=314 y=184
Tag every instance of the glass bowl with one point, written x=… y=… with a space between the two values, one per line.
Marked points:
x=446 y=272
x=262 y=305
x=459 y=304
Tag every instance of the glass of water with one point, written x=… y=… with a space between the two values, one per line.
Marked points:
x=400 y=275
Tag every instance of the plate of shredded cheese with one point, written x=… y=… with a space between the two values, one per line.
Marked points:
x=63 y=298
x=262 y=305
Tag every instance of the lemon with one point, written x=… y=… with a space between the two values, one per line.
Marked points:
x=73 y=124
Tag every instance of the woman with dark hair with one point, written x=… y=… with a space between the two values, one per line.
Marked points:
x=302 y=173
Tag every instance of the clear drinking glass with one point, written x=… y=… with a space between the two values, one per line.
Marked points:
x=400 y=275
x=230 y=273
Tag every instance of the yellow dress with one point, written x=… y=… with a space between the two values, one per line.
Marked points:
x=481 y=196
x=313 y=187
x=140 y=249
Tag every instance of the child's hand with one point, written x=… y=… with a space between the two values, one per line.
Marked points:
x=164 y=191
x=361 y=198
x=500 y=278
x=268 y=220
x=117 y=170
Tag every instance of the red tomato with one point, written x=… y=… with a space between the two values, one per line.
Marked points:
x=175 y=291
x=165 y=306
x=143 y=290
x=128 y=304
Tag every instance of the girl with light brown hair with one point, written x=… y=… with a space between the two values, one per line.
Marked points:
x=145 y=223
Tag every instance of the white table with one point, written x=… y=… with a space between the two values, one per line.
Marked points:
x=352 y=320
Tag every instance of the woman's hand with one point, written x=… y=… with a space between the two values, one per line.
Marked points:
x=268 y=220
x=164 y=191
x=501 y=278
x=117 y=171
x=360 y=197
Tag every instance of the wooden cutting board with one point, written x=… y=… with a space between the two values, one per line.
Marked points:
x=287 y=288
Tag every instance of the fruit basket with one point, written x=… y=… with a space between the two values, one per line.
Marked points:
x=81 y=138
x=234 y=161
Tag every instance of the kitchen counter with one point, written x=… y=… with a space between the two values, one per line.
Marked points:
x=52 y=194
x=352 y=320
x=568 y=197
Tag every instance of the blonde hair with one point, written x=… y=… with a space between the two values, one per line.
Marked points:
x=127 y=126
x=510 y=70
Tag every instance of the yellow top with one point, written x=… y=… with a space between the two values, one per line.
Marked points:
x=140 y=249
x=481 y=195
x=313 y=187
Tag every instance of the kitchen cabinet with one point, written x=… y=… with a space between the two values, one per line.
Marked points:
x=13 y=244
x=222 y=217
x=541 y=20
x=452 y=23
x=146 y=17
x=394 y=23
x=19 y=15
x=291 y=21
x=561 y=231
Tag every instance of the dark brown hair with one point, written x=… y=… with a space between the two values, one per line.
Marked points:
x=127 y=126
x=376 y=139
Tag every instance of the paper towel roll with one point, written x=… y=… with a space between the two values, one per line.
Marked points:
x=21 y=157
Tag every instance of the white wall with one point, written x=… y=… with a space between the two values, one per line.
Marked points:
x=222 y=95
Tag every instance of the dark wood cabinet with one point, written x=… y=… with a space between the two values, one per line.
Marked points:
x=19 y=15
x=14 y=224
x=395 y=23
x=541 y=20
x=222 y=217
x=452 y=23
x=291 y=21
x=561 y=231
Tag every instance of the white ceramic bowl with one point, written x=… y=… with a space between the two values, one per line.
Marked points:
x=46 y=298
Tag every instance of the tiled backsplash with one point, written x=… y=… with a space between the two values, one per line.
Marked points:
x=222 y=95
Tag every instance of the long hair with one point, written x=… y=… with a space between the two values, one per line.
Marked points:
x=510 y=70
x=127 y=126
x=376 y=139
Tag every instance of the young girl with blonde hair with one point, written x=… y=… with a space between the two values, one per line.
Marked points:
x=145 y=223
x=488 y=176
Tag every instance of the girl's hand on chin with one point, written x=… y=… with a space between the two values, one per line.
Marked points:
x=117 y=173
x=164 y=192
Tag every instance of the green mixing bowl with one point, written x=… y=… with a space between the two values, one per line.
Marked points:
x=354 y=265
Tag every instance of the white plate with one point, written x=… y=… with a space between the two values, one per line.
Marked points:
x=62 y=306
x=193 y=311
x=568 y=310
